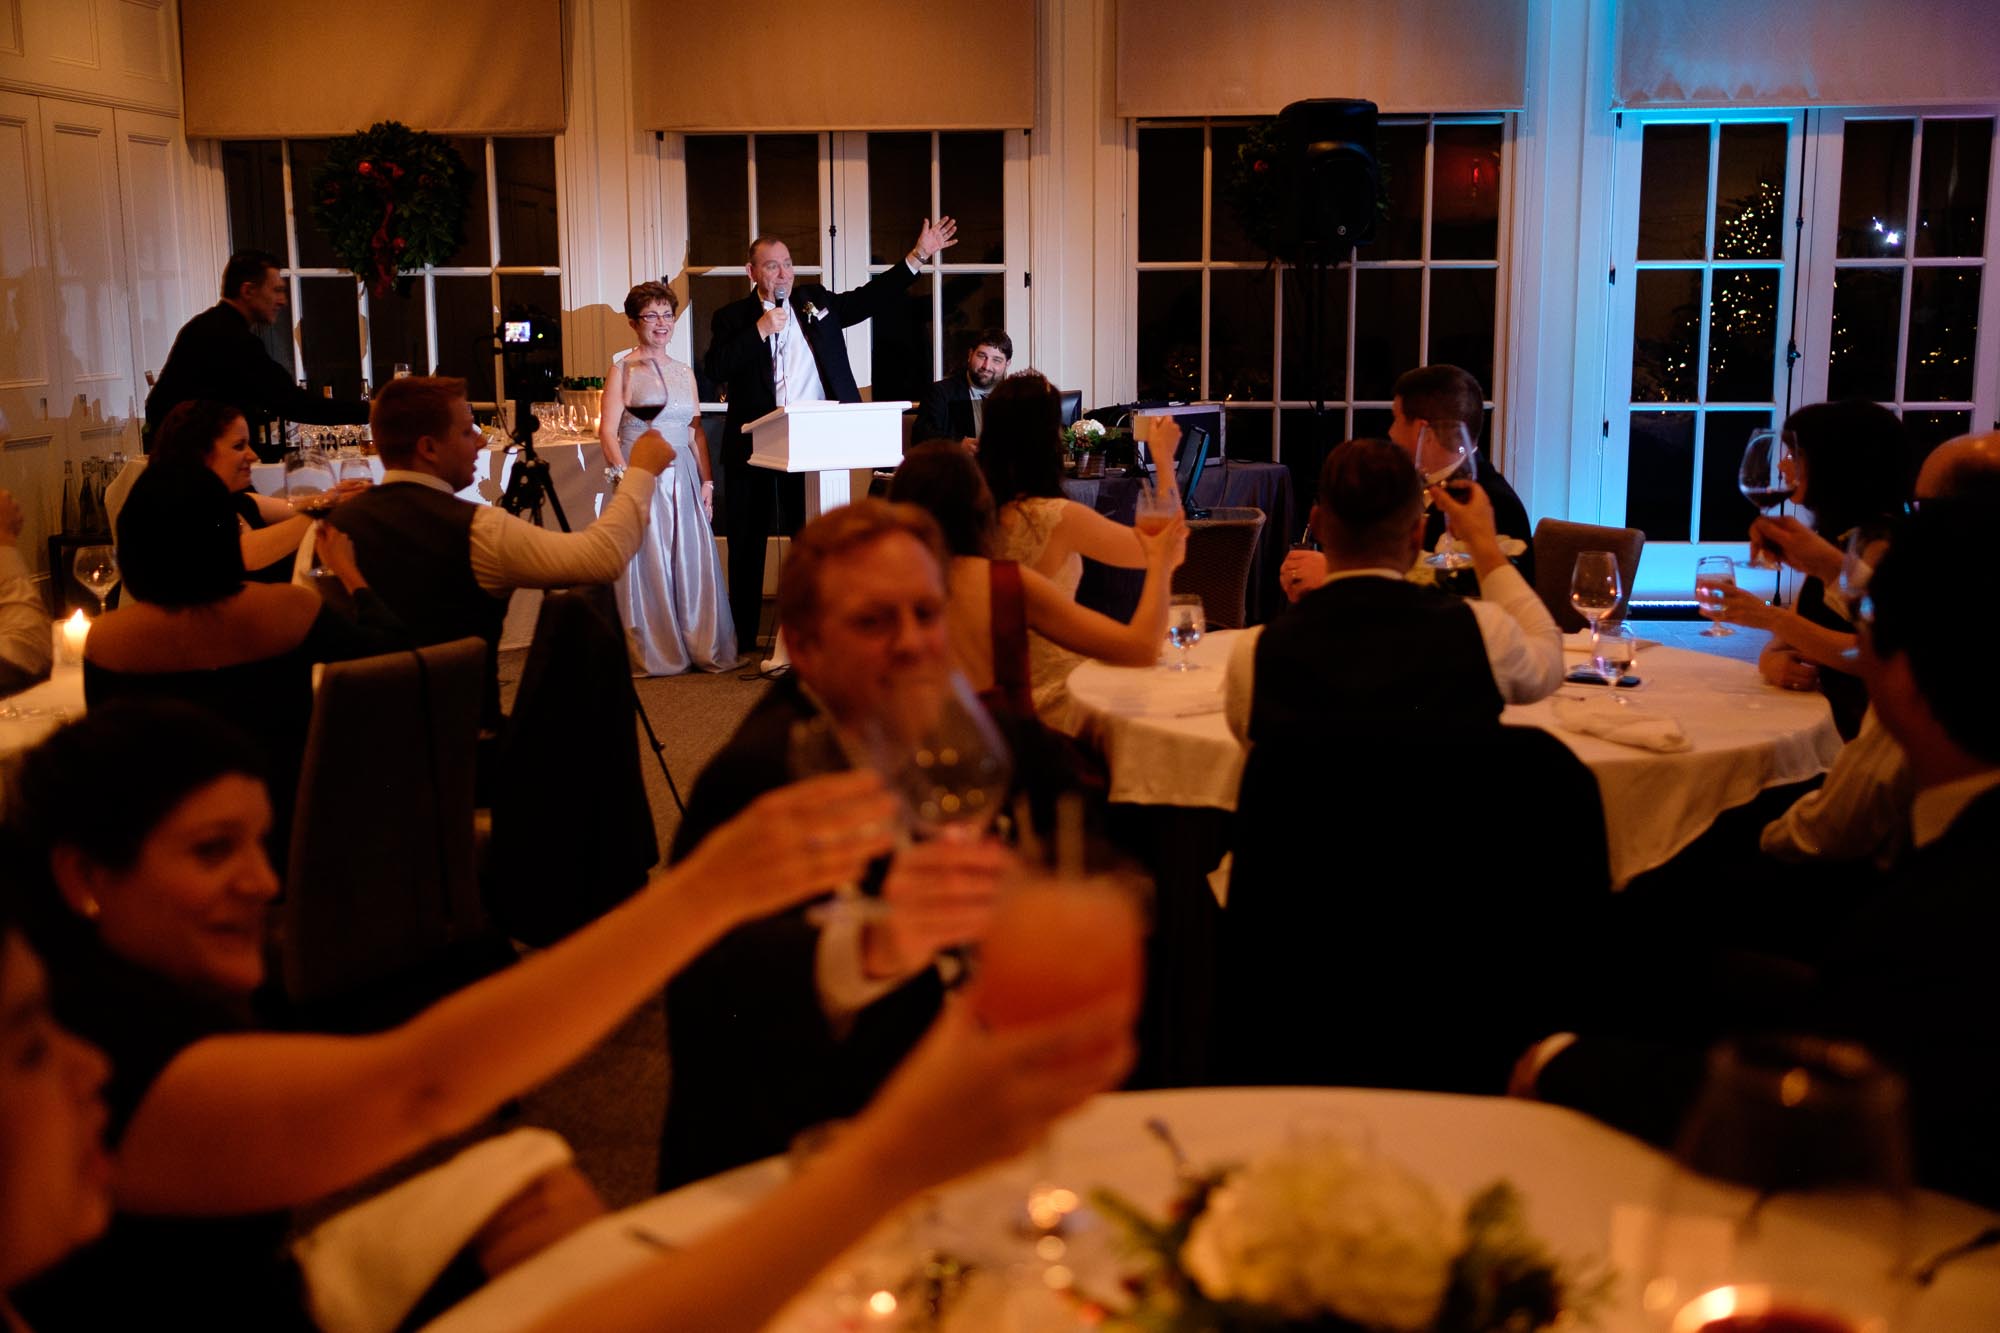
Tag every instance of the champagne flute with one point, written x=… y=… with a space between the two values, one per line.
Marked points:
x=1767 y=477
x=1596 y=587
x=1866 y=545
x=1787 y=1210
x=1186 y=623
x=1713 y=573
x=96 y=568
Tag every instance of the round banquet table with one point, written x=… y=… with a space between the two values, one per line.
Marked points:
x=1589 y=1192
x=1168 y=743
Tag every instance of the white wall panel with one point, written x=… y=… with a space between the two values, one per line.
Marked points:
x=149 y=153
x=92 y=324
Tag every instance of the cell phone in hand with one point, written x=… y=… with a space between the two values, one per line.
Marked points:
x=1585 y=676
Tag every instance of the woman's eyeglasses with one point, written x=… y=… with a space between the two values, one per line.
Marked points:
x=657 y=317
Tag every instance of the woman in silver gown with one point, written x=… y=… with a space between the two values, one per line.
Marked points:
x=673 y=595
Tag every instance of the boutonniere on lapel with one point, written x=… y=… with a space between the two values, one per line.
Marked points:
x=813 y=313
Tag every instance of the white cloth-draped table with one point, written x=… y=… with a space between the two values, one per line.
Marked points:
x=1169 y=744
x=1589 y=1192
x=27 y=718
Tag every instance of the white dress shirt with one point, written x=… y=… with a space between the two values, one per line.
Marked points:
x=1861 y=810
x=1937 y=808
x=510 y=552
x=1523 y=645
x=25 y=640
x=794 y=353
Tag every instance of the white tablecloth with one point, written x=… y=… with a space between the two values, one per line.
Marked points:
x=26 y=718
x=1168 y=742
x=1588 y=1191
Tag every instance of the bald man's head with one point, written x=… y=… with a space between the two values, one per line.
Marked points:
x=1950 y=463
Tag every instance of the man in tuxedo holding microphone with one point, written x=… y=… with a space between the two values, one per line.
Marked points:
x=784 y=344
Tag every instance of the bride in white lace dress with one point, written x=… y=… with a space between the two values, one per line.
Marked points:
x=1020 y=452
x=672 y=596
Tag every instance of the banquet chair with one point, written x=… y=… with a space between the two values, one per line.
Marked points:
x=1407 y=908
x=1220 y=552
x=573 y=833
x=381 y=905
x=1556 y=545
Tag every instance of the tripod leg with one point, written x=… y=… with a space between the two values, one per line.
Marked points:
x=659 y=749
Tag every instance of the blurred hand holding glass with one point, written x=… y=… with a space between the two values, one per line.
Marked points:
x=1712 y=573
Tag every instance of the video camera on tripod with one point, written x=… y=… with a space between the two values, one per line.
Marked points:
x=528 y=343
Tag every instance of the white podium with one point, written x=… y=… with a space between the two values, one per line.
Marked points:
x=828 y=440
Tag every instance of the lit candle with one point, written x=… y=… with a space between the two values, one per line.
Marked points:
x=74 y=631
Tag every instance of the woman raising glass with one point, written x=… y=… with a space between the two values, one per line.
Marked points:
x=672 y=596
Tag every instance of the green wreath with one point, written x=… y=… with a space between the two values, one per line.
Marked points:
x=390 y=199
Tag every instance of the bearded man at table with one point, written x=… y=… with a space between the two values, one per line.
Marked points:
x=1915 y=978
x=1367 y=644
x=784 y=1025
x=777 y=346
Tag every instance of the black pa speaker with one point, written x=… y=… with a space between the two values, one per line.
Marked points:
x=1333 y=180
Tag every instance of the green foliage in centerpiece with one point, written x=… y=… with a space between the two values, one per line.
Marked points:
x=390 y=199
x=1322 y=1237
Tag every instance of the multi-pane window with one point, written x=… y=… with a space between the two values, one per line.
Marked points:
x=339 y=334
x=1766 y=260
x=1216 y=321
x=1908 y=268
x=848 y=206
x=1706 y=290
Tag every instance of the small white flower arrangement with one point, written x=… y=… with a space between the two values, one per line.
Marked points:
x=1327 y=1237
x=1083 y=437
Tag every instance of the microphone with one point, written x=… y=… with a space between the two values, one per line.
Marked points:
x=778 y=303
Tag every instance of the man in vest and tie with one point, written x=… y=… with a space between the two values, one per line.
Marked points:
x=447 y=566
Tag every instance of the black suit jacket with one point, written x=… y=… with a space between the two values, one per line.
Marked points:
x=1510 y=516
x=216 y=356
x=740 y=360
x=946 y=412
x=754 y=1059
x=1916 y=981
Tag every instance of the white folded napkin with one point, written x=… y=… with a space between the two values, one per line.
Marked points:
x=365 y=1268
x=1626 y=725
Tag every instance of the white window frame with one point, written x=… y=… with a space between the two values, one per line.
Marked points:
x=295 y=275
x=1817 y=308
x=1813 y=163
x=1666 y=568
x=1338 y=398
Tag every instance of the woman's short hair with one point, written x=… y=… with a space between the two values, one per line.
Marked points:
x=940 y=478
x=189 y=432
x=836 y=533
x=1020 y=438
x=650 y=293
x=410 y=408
x=179 y=540
x=1858 y=463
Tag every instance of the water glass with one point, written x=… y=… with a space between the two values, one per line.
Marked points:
x=1596 y=587
x=1186 y=623
x=1612 y=649
x=1712 y=573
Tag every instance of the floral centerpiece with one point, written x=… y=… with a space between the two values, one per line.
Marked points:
x=1325 y=1237
x=1085 y=437
x=390 y=199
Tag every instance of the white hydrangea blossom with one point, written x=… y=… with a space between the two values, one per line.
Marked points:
x=1327 y=1227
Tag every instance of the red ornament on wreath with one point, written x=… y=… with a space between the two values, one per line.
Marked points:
x=390 y=200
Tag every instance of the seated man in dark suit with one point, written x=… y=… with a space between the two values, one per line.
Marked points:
x=1366 y=644
x=1437 y=397
x=947 y=411
x=781 y=1025
x=1916 y=979
x=447 y=566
